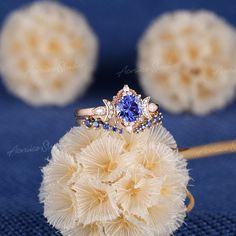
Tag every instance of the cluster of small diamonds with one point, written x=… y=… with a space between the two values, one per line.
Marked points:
x=90 y=122
x=149 y=123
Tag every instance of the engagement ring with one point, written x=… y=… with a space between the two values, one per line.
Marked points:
x=127 y=111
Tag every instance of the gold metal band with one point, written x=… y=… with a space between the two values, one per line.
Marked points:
x=212 y=149
x=83 y=113
x=191 y=203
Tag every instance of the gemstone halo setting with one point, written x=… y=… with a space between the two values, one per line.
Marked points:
x=129 y=108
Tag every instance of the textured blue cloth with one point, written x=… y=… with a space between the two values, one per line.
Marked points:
x=27 y=133
x=33 y=223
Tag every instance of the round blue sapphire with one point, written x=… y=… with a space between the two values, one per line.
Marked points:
x=120 y=131
x=114 y=128
x=155 y=120
x=149 y=124
x=88 y=123
x=129 y=108
x=106 y=126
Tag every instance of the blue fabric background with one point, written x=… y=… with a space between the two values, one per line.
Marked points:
x=26 y=133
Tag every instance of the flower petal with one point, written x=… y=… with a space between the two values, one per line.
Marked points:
x=94 y=201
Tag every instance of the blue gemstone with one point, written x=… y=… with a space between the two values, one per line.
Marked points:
x=106 y=126
x=129 y=108
x=87 y=123
x=120 y=131
x=149 y=124
x=155 y=120
x=114 y=129
x=96 y=124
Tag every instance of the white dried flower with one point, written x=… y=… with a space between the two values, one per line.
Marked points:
x=60 y=169
x=187 y=60
x=157 y=159
x=78 y=138
x=47 y=54
x=126 y=225
x=103 y=159
x=157 y=135
x=85 y=230
x=60 y=207
x=136 y=191
x=165 y=217
x=102 y=183
x=95 y=203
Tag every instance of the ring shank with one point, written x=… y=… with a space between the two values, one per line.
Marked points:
x=82 y=113
x=191 y=203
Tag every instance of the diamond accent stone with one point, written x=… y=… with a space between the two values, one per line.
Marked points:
x=129 y=129
x=145 y=107
x=96 y=124
x=109 y=108
x=100 y=111
x=126 y=88
x=152 y=107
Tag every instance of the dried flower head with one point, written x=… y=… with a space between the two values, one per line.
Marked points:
x=103 y=159
x=47 y=53
x=126 y=225
x=101 y=183
x=186 y=61
x=78 y=138
x=60 y=169
x=136 y=191
x=165 y=217
x=85 y=230
x=60 y=206
x=95 y=202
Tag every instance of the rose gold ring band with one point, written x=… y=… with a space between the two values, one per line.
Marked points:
x=82 y=113
x=191 y=203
